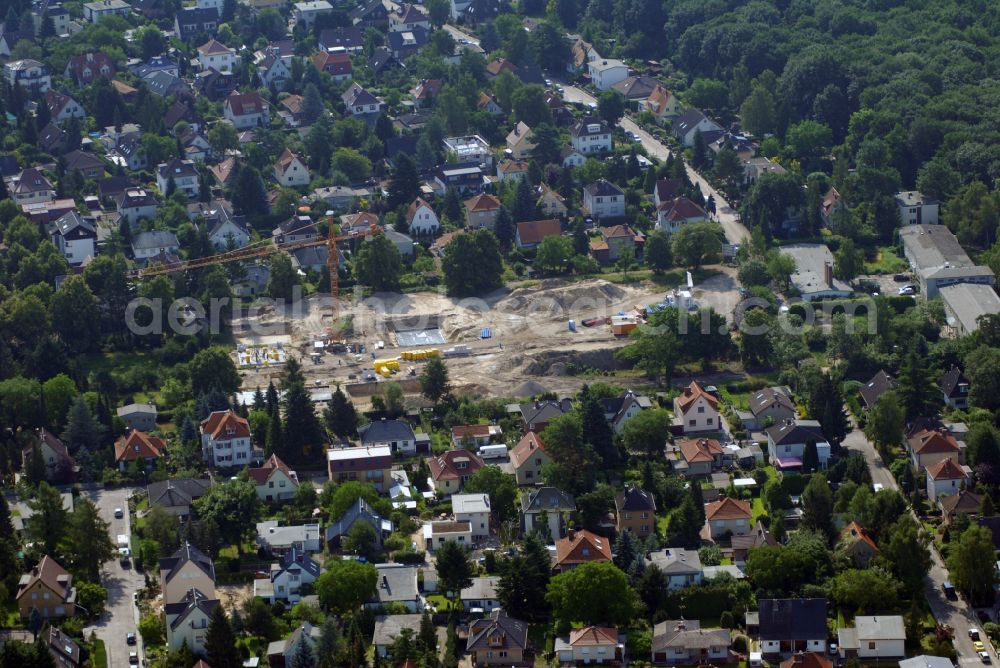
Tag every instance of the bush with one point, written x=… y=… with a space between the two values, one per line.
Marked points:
x=151 y=630
x=409 y=556
x=726 y=620
x=740 y=644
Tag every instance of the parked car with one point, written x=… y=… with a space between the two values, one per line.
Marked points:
x=974 y=634
x=119 y=513
x=900 y=278
x=985 y=657
x=949 y=590
x=907 y=290
x=133 y=658
x=130 y=638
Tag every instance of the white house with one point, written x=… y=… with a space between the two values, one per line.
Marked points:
x=682 y=568
x=945 y=477
x=421 y=219
x=225 y=230
x=786 y=443
x=29 y=74
x=286 y=578
x=604 y=199
x=915 y=208
x=437 y=534
x=75 y=236
x=63 y=107
x=474 y=509
x=675 y=214
x=187 y=621
x=225 y=440
x=606 y=72
x=360 y=102
x=214 y=55
x=95 y=11
x=397 y=584
x=591 y=135
x=246 y=110
x=137 y=203
x=571 y=157
x=728 y=516
x=307 y=12
x=481 y=595
x=279 y=540
x=183 y=173
x=591 y=644
x=684 y=642
x=148 y=245
x=274 y=480
x=879 y=637
x=696 y=410
x=398 y=435
x=688 y=124
x=290 y=170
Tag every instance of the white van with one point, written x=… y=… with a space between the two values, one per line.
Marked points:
x=493 y=451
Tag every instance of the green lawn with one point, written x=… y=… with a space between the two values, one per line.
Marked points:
x=100 y=658
x=886 y=262
x=758 y=509
x=442 y=604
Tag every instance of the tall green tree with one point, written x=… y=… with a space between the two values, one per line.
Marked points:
x=592 y=593
x=970 y=562
x=220 y=641
x=302 y=434
x=346 y=585
x=597 y=429
x=472 y=263
x=82 y=430
x=817 y=501
x=404 y=185
x=523 y=580
x=434 y=383
x=233 y=507
x=49 y=519
x=886 y=421
x=916 y=387
x=88 y=540
x=281 y=278
x=454 y=568
x=340 y=416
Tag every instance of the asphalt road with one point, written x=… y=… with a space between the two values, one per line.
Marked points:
x=460 y=34
x=121 y=615
x=956 y=614
x=727 y=217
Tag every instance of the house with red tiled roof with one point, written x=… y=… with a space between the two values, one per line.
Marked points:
x=225 y=440
x=89 y=67
x=727 y=516
x=421 y=219
x=512 y=170
x=964 y=503
x=290 y=170
x=663 y=104
x=930 y=446
x=139 y=446
x=807 y=660
x=591 y=644
x=678 y=212
x=59 y=465
x=47 y=588
x=855 y=542
x=246 y=110
x=214 y=55
x=696 y=410
x=224 y=172
x=482 y=211
x=697 y=457
x=62 y=107
x=274 y=480
x=581 y=547
x=531 y=233
x=451 y=470
x=946 y=477
x=423 y=93
x=528 y=457
x=337 y=64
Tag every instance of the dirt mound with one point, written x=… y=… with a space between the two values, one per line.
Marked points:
x=557 y=363
x=529 y=388
x=555 y=298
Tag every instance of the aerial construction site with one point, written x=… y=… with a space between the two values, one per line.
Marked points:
x=509 y=343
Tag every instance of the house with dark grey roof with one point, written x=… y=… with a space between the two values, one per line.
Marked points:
x=397 y=434
x=688 y=124
x=194 y=22
x=481 y=595
x=388 y=628
x=187 y=568
x=955 y=388
x=683 y=641
x=176 y=496
x=786 y=443
x=63 y=648
x=770 y=404
x=792 y=625
x=499 y=633
x=360 y=103
x=536 y=415
x=604 y=199
x=635 y=511
x=397 y=583
x=147 y=245
x=75 y=236
x=873 y=390
x=681 y=568
x=619 y=410
x=187 y=620
x=359 y=511
x=547 y=506
x=285 y=579
x=873 y=637
x=281 y=652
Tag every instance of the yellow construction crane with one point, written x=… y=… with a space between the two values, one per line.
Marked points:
x=267 y=247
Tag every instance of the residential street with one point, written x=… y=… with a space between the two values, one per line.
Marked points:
x=121 y=615
x=956 y=614
x=734 y=230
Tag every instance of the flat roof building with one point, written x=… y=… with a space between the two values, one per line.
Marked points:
x=938 y=259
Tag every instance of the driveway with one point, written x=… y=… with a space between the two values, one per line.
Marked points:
x=121 y=616
x=956 y=614
x=458 y=34
x=725 y=215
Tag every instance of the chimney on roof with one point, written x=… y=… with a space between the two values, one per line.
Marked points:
x=571 y=535
x=828 y=274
